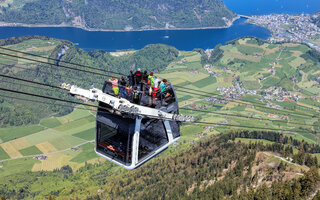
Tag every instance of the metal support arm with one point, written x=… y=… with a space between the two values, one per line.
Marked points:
x=123 y=105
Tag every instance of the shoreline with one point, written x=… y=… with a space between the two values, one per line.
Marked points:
x=5 y=24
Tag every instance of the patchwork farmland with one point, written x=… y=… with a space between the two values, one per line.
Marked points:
x=50 y=137
x=258 y=66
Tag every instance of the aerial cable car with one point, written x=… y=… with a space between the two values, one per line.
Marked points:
x=129 y=134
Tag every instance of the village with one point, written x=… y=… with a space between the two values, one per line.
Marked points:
x=289 y=28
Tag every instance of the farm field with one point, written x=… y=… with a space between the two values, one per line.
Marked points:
x=7 y=134
x=54 y=136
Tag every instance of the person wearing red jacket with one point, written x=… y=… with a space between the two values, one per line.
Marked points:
x=138 y=78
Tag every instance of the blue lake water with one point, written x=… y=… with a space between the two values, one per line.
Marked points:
x=261 y=7
x=112 y=41
x=181 y=39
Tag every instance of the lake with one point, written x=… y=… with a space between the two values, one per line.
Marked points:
x=261 y=7
x=111 y=41
x=181 y=39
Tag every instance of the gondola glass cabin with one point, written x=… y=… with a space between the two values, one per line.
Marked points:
x=130 y=140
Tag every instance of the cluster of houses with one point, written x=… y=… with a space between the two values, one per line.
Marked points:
x=280 y=94
x=194 y=106
x=217 y=100
x=236 y=91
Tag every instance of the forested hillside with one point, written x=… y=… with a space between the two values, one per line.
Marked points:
x=118 y=15
x=20 y=112
x=215 y=168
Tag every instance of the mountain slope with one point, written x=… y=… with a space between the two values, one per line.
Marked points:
x=118 y=15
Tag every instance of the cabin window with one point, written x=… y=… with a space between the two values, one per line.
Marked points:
x=153 y=135
x=114 y=143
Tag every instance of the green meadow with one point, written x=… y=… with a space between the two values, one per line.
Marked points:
x=7 y=134
x=33 y=150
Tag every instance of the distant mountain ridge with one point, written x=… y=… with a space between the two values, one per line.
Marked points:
x=118 y=15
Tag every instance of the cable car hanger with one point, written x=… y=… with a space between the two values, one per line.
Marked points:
x=123 y=105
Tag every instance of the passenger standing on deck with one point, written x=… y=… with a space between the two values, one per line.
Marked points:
x=129 y=92
x=163 y=91
x=138 y=78
x=156 y=92
x=145 y=76
x=144 y=81
x=151 y=82
x=114 y=82
x=131 y=78
x=136 y=95
x=163 y=86
x=122 y=88
x=157 y=81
